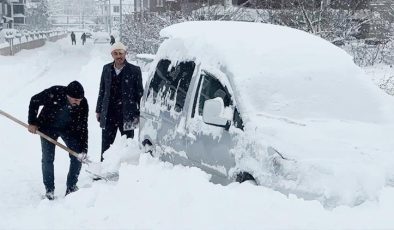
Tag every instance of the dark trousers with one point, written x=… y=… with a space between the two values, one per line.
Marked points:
x=109 y=134
x=48 y=157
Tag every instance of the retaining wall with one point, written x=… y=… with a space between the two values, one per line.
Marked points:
x=6 y=51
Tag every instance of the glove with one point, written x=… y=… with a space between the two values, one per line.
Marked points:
x=83 y=157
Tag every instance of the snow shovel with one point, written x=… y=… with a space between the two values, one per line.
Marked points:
x=92 y=166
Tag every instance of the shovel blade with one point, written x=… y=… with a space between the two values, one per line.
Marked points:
x=96 y=171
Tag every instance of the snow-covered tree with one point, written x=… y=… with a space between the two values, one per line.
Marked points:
x=355 y=25
x=141 y=30
x=38 y=15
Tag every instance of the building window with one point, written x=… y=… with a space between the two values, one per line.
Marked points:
x=19 y=20
x=159 y=3
x=19 y=9
x=116 y=9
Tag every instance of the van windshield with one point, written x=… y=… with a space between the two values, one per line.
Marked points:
x=171 y=83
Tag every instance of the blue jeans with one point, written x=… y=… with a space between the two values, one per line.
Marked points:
x=48 y=157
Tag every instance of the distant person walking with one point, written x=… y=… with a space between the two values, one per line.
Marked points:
x=112 y=40
x=64 y=114
x=83 y=38
x=73 y=42
x=118 y=103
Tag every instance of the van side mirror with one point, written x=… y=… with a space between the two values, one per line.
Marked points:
x=213 y=113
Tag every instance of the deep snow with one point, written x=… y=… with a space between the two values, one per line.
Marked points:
x=149 y=194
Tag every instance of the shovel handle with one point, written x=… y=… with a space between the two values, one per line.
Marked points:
x=72 y=152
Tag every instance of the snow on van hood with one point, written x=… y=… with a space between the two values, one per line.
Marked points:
x=303 y=96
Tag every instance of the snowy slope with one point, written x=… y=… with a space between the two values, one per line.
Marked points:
x=149 y=194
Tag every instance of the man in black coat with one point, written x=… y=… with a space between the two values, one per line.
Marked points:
x=118 y=103
x=73 y=41
x=64 y=114
x=112 y=40
x=83 y=38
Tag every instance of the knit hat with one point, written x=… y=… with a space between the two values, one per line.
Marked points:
x=75 y=90
x=118 y=46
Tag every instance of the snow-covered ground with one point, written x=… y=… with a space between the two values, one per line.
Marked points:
x=149 y=194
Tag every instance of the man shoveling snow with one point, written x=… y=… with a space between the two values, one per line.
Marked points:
x=64 y=114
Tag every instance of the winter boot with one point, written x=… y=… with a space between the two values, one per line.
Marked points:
x=50 y=194
x=71 y=189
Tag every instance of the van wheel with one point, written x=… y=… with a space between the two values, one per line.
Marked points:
x=245 y=176
x=148 y=147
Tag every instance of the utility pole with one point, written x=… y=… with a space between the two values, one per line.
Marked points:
x=120 y=21
x=12 y=16
x=142 y=10
x=110 y=19
x=102 y=12
x=83 y=14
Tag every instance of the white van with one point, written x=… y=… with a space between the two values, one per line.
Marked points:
x=252 y=101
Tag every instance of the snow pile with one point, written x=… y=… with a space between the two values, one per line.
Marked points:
x=122 y=151
x=334 y=162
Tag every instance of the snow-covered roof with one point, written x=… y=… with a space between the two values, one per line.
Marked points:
x=278 y=70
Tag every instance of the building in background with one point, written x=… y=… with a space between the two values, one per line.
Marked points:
x=19 y=12
x=178 y=5
x=12 y=13
x=80 y=14
x=5 y=14
x=108 y=12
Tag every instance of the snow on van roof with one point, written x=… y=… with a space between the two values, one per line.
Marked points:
x=278 y=70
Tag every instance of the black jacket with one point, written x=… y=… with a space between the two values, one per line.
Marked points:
x=131 y=92
x=53 y=100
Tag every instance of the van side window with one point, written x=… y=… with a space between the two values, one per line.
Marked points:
x=212 y=88
x=172 y=84
x=159 y=79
